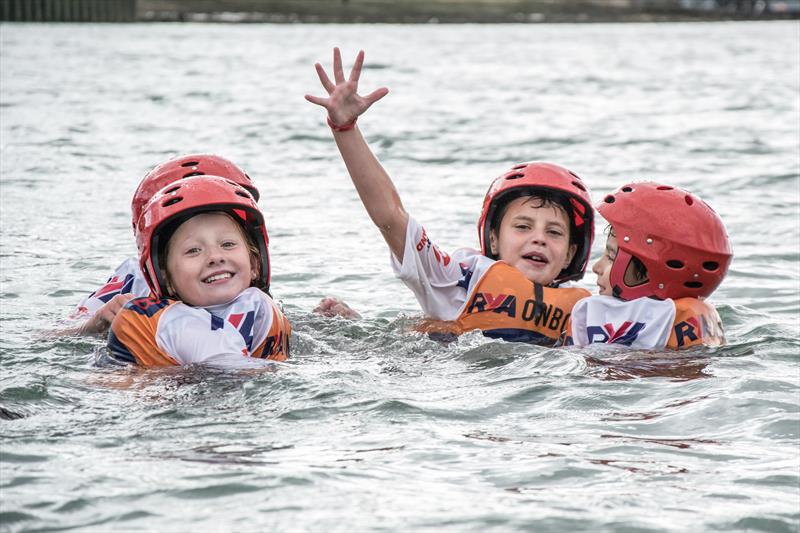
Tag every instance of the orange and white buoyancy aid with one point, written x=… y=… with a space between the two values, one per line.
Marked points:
x=644 y=323
x=696 y=323
x=505 y=304
x=155 y=332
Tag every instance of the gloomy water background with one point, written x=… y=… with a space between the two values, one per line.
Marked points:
x=371 y=426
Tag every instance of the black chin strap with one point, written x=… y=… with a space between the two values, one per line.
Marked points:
x=538 y=300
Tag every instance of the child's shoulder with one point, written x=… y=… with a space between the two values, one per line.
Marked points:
x=148 y=305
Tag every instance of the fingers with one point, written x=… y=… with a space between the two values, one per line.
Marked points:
x=338 y=73
x=317 y=100
x=355 y=72
x=376 y=95
x=324 y=79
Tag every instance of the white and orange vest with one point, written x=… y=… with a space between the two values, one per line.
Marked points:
x=645 y=323
x=243 y=333
x=467 y=291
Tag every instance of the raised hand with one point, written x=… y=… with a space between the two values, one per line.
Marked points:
x=343 y=103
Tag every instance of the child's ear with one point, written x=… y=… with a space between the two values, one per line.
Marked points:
x=570 y=254
x=253 y=268
x=493 y=245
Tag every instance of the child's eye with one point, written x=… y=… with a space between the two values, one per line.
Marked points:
x=229 y=244
x=556 y=232
x=522 y=226
x=192 y=251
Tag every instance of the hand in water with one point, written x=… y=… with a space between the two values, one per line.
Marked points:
x=330 y=306
x=344 y=104
x=102 y=319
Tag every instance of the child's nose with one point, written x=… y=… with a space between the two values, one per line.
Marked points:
x=215 y=256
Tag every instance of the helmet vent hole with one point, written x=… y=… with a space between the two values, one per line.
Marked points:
x=664 y=188
x=194 y=173
x=692 y=284
x=609 y=199
x=172 y=189
x=579 y=185
x=689 y=200
x=243 y=194
x=515 y=176
x=627 y=189
x=710 y=265
x=190 y=164
x=172 y=201
x=674 y=263
x=519 y=167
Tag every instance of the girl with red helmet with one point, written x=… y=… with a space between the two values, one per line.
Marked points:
x=666 y=252
x=535 y=233
x=203 y=250
x=99 y=308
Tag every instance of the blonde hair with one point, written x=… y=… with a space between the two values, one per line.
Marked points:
x=163 y=249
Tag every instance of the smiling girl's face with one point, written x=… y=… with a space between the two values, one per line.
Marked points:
x=208 y=260
x=534 y=238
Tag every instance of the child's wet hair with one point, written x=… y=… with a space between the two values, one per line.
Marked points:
x=542 y=198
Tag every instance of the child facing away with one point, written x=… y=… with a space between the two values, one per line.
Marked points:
x=666 y=251
x=535 y=232
x=204 y=253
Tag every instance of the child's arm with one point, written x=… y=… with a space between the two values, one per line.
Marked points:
x=99 y=322
x=375 y=188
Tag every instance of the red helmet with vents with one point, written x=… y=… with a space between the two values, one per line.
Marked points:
x=538 y=176
x=179 y=201
x=186 y=166
x=677 y=236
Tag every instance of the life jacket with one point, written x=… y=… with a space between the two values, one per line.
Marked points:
x=506 y=305
x=276 y=345
x=696 y=323
x=132 y=337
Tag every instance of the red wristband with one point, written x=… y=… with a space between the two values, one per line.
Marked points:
x=344 y=127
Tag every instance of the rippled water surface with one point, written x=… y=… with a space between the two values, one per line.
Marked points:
x=371 y=426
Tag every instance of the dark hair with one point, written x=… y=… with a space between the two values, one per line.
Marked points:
x=544 y=197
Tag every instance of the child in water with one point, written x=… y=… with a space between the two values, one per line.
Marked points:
x=535 y=233
x=100 y=307
x=666 y=251
x=204 y=253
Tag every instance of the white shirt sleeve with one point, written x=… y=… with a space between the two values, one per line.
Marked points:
x=441 y=282
x=643 y=323
x=126 y=279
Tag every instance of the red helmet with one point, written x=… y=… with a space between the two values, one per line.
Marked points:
x=183 y=199
x=527 y=178
x=676 y=235
x=183 y=167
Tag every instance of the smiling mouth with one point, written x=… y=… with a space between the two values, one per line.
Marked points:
x=218 y=277
x=536 y=258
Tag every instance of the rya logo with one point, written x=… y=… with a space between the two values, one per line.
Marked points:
x=626 y=334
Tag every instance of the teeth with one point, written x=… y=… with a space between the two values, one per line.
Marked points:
x=216 y=277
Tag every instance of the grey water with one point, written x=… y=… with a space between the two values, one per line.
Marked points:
x=372 y=426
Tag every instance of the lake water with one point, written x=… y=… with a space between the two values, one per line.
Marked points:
x=372 y=426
